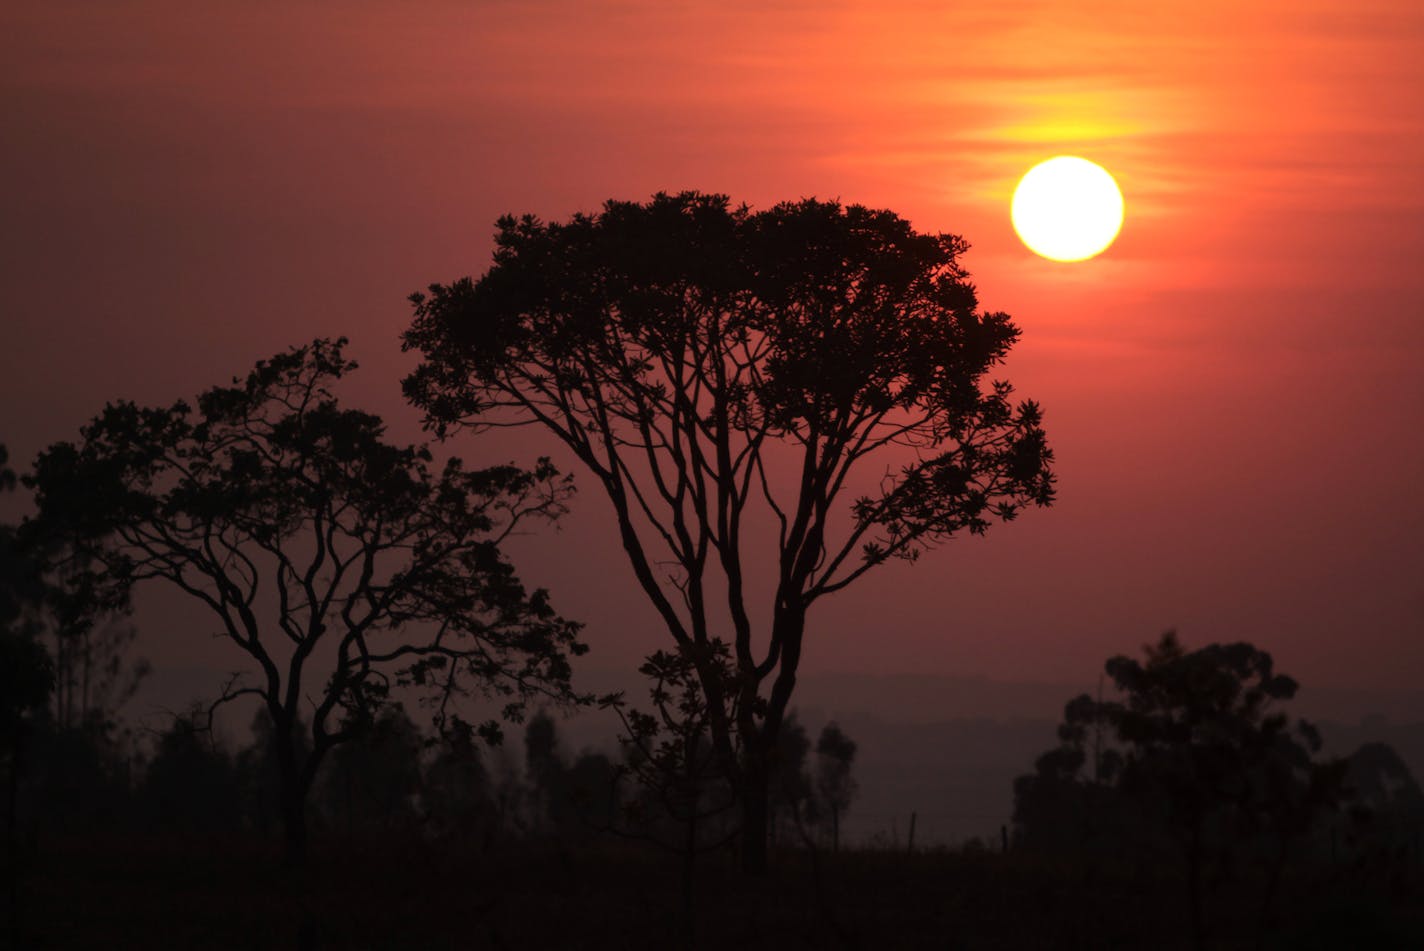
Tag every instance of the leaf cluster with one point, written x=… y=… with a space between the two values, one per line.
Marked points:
x=668 y=750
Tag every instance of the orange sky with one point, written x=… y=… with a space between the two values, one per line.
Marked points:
x=1234 y=390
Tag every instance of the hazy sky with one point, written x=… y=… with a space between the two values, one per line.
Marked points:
x=1235 y=390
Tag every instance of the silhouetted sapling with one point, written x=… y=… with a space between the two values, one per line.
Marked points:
x=835 y=786
x=678 y=779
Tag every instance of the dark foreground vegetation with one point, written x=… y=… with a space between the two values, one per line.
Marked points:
x=427 y=842
x=410 y=893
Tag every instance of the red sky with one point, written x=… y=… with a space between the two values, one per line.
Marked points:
x=1235 y=390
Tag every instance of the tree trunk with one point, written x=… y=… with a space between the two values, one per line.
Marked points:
x=1273 y=883
x=754 y=815
x=1194 y=889
x=689 y=871
x=760 y=744
x=291 y=792
x=12 y=794
x=294 y=826
x=12 y=838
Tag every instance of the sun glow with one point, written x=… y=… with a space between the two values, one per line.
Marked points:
x=1067 y=209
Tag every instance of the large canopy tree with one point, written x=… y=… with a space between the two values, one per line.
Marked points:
x=340 y=564
x=717 y=369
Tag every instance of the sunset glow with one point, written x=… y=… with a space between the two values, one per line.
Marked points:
x=231 y=180
x=820 y=474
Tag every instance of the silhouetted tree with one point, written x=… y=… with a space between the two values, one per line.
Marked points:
x=94 y=677
x=710 y=365
x=1381 y=782
x=321 y=549
x=26 y=681
x=77 y=769
x=21 y=584
x=27 y=671
x=259 y=775
x=190 y=784
x=835 y=786
x=1063 y=807
x=1387 y=809
x=372 y=780
x=544 y=767
x=1198 y=752
x=790 y=798
x=569 y=800
x=590 y=793
x=457 y=786
x=669 y=755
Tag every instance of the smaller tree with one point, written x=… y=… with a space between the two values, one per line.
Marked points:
x=190 y=785
x=590 y=787
x=259 y=777
x=337 y=563
x=372 y=780
x=458 y=787
x=94 y=677
x=1195 y=754
x=835 y=786
x=790 y=797
x=26 y=670
x=544 y=768
x=669 y=754
x=21 y=587
x=1386 y=824
x=26 y=679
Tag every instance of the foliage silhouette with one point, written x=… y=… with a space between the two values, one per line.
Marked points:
x=191 y=785
x=1385 y=830
x=259 y=771
x=835 y=786
x=543 y=765
x=457 y=789
x=26 y=682
x=323 y=551
x=790 y=800
x=21 y=585
x=569 y=800
x=709 y=365
x=373 y=781
x=1196 y=756
x=94 y=677
x=670 y=757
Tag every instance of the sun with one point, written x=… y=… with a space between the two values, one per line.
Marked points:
x=1067 y=209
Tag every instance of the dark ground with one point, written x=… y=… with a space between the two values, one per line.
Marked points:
x=148 y=893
